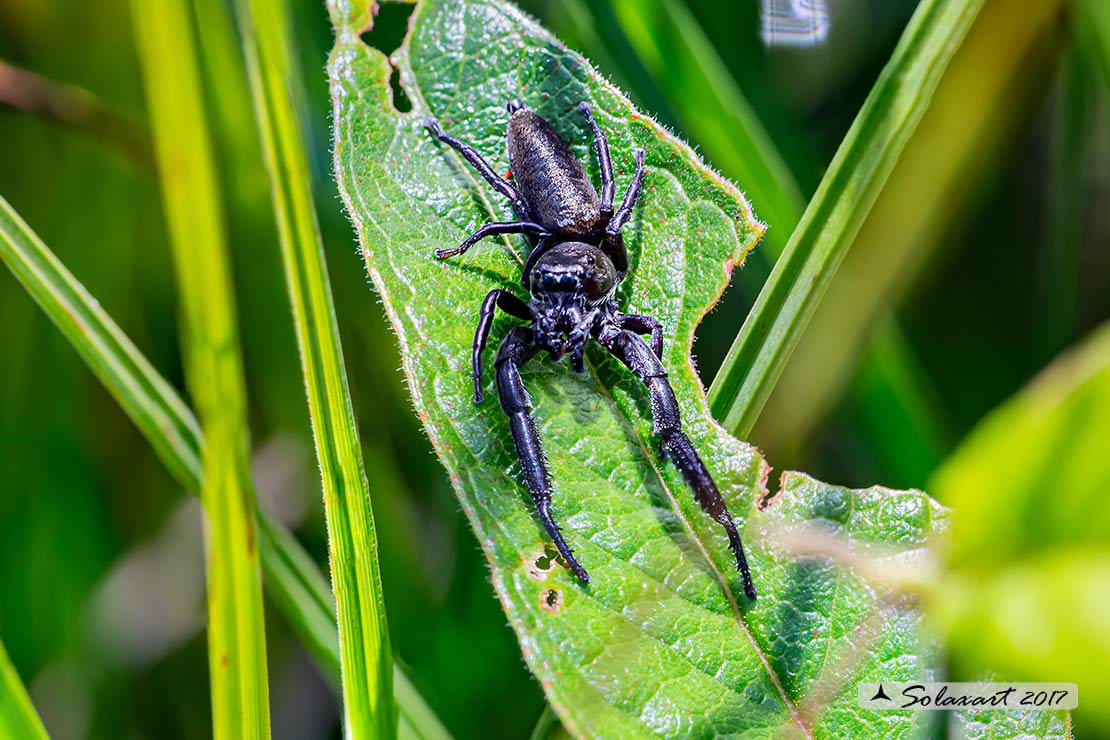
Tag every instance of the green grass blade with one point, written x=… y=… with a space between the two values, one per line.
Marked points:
x=363 y=632
x=416 y=720
x=153 y=405
x=549 y=727
x=18 y=718
x=293 y=581
x=845 y=196
x=236 y=628
x=896 y=405
x=1059 y=279
x=999 y=76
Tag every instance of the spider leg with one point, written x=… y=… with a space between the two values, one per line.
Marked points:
x=635 y=354
x=493 y=229
x=510 y=304
x=478 y=162
x=613 y=241
x=613 y=246
x=642 y=324
x=620 y=218
x=517 y=348
x=604 y=161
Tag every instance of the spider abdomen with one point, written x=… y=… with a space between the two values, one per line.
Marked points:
x=551 y=178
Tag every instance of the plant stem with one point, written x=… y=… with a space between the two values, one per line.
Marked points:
x=236 y=627
x=363 y=633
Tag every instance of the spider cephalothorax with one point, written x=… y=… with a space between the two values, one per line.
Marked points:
x=577 y=260
x=572 y=290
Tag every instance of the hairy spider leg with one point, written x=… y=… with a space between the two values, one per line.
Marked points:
x=613 y=244
x=493 y=229
x=517 y=348
x=620 y=218
x=510 y=304
x=604 y=161
x=478 y=162
x=639 y=358
x=644 y=325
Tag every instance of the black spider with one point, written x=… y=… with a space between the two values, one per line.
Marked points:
x=578 y=258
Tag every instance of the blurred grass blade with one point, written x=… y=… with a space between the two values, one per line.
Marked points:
x=156 y=409
x=1093 y=26
x=711 y=108
x=896 y=406
x=987 y=94
x=416 y=720
x=18 y=718
x=845 y=196
x=236 y=628
x=1059 y=277
x=548 y=726
x=293 y=581
x=363 y=632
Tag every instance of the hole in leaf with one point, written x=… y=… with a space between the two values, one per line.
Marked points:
x=391 y=24
x=541 y=564
x=552 y=601
x=772 y=487
x=400 y=101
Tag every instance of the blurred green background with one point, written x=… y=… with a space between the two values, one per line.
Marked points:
x=986 y=256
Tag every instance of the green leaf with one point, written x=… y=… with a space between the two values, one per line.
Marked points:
x=1036 y=468
x=18 y=718
x=1001 y=724
x=191 y=193
x=660 y=642
x=842 y=201
x=352 y=542
x=1029 y=595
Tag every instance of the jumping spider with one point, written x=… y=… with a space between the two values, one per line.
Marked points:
x=577 y=260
